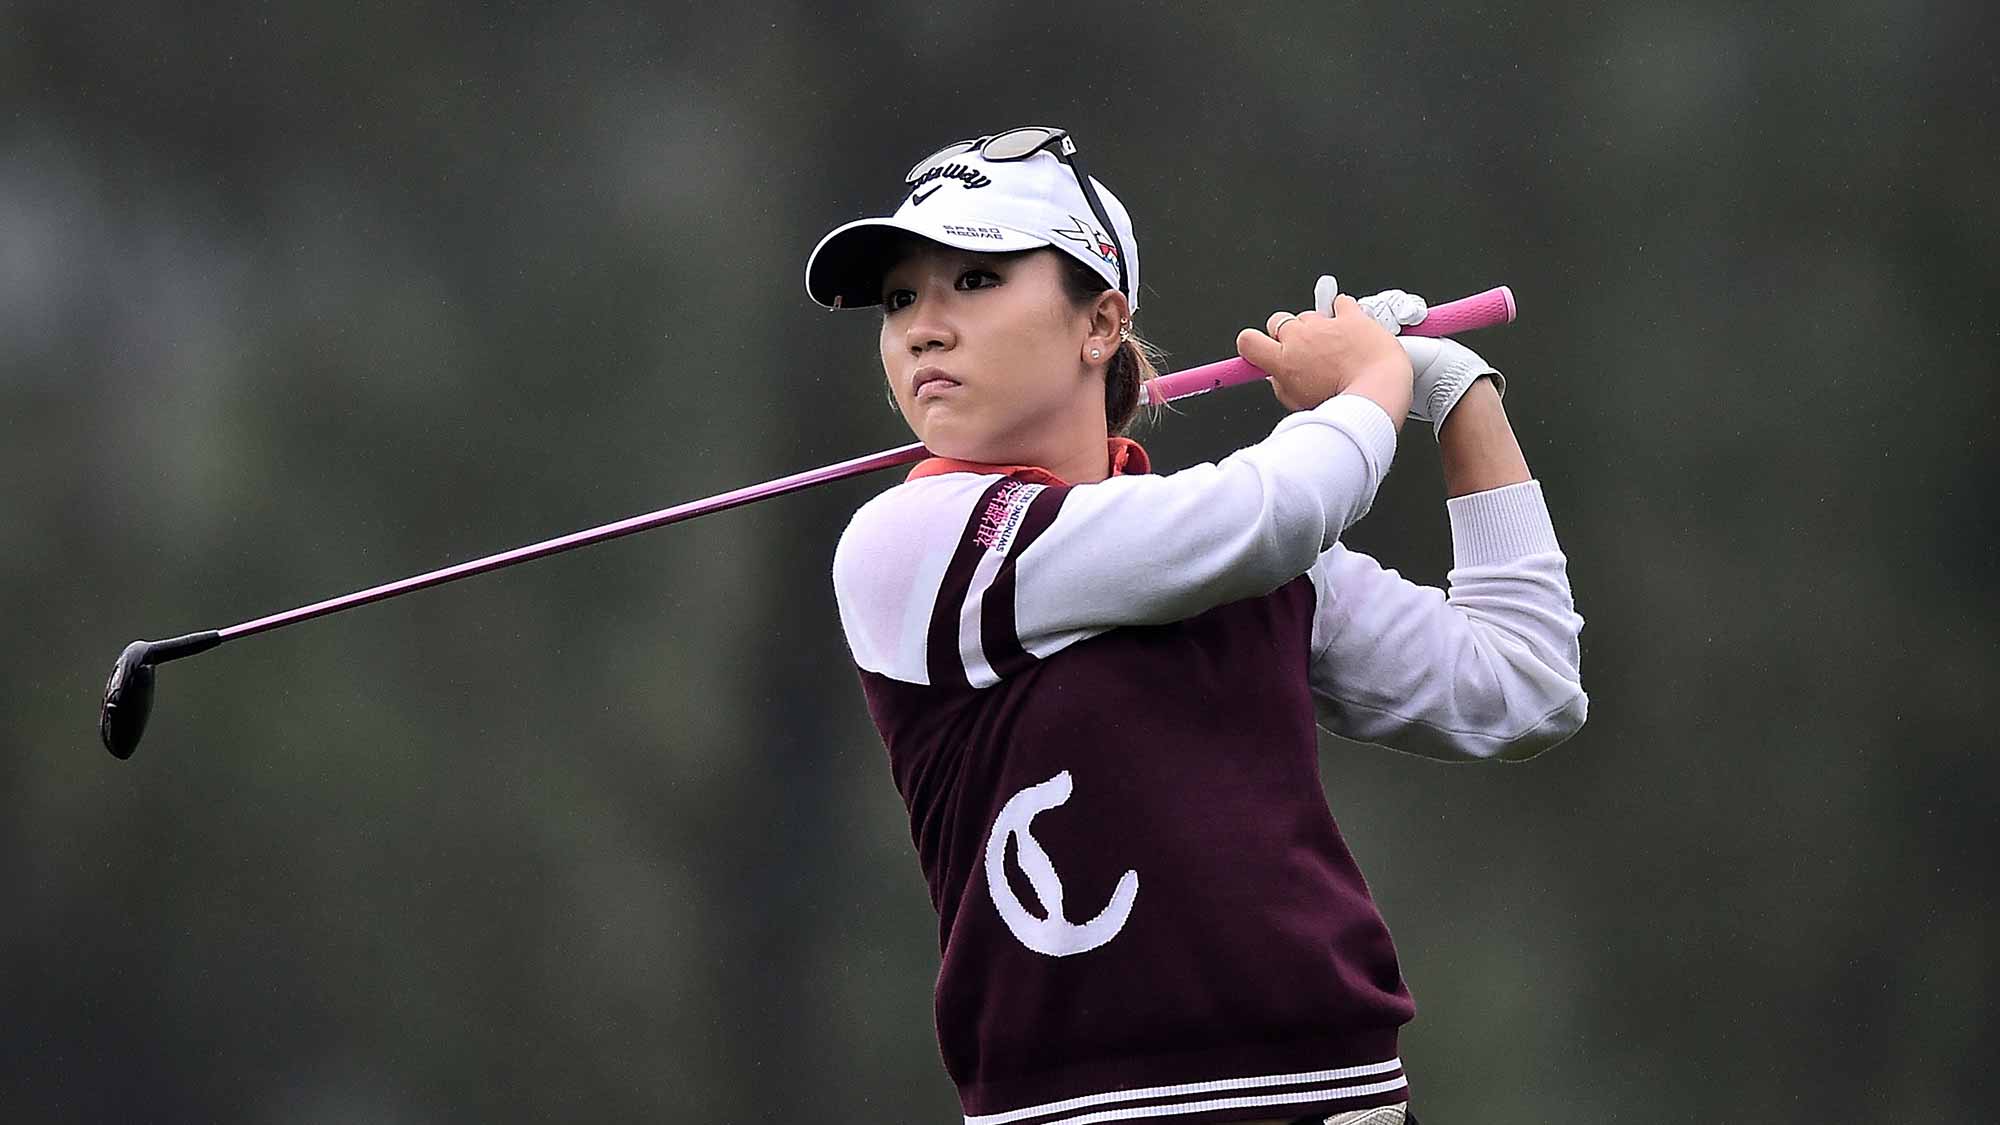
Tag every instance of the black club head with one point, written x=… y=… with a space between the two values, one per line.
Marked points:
x=128 y=699
x=128 y=694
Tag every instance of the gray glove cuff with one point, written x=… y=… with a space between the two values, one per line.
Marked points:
x=1443 y=370
x=1451 y=386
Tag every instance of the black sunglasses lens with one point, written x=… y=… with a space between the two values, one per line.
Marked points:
x=1017 y=143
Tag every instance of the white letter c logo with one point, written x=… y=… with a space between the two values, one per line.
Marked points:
x=1054 y=935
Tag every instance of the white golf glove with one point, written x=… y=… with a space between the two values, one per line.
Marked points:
x=1445 y=369
x=1393 y=308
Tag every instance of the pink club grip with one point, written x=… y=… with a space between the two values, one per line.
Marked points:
x=1481 y=310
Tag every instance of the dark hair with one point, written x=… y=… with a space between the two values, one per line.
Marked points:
x=1134 y=363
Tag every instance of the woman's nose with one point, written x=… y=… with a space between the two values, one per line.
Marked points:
x=930 y=327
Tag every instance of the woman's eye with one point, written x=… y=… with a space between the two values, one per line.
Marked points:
x=897 y=299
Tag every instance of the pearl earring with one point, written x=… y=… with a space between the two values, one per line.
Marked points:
x=1094 y=353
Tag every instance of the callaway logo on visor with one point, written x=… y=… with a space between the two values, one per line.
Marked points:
x=970 y=177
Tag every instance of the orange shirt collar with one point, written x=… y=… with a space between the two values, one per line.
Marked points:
x=1126 y=457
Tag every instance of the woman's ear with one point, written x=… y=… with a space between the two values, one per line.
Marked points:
x=1107 y=316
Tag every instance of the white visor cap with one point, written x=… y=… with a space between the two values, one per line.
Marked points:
x=973 y=203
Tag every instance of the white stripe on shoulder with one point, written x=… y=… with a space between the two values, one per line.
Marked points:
x=978 y=672
x=890 y=565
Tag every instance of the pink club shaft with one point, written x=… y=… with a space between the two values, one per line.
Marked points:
x=1482 y=310
x=901 y=455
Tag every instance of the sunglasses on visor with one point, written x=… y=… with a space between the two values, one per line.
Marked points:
x=1020 y=144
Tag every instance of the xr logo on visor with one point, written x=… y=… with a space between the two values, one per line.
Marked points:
x=1089 y=236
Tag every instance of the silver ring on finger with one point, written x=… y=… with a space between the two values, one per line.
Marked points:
x=1280 y=326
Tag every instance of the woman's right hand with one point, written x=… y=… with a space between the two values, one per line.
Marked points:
x=1311 y=358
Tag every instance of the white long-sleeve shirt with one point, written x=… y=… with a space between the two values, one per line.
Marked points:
x=1488 y=669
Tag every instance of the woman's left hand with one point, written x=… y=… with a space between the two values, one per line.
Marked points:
x=1394 y=309
x=1444 y=369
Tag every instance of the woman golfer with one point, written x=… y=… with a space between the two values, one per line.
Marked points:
x=1099 y=685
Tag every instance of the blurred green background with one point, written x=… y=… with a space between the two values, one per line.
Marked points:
x=295 y=299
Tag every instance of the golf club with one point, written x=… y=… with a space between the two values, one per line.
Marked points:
x=128 y=694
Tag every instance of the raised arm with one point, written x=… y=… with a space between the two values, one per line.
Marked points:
x=1478 y=446
x=1490 y=669
x=966 y=578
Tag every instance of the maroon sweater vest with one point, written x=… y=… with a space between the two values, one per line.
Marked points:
x=1211 y=942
